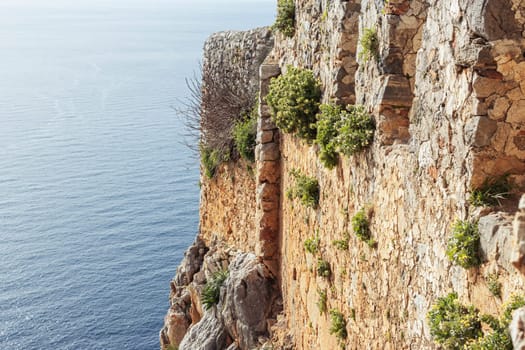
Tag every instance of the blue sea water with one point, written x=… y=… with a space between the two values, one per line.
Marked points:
x=98 y=196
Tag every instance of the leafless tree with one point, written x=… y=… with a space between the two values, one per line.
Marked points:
x=211 y=109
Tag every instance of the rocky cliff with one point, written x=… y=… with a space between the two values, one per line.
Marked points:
x=445 y=87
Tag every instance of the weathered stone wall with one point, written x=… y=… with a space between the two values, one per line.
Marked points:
x=431 y=146
x=227 y=209
x=230 y=80
x=446 y=92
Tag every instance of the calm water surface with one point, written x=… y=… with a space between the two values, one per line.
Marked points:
x=98 y=198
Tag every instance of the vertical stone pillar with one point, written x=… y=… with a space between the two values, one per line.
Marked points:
x=268 y=176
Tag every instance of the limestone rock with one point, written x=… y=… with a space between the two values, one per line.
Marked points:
x=208 y=334
x=517 y=329
x=247 y=300
x=480 y=130
x=191 y=263
x=519 y=234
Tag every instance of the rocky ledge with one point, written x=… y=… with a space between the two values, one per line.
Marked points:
x=247 y=305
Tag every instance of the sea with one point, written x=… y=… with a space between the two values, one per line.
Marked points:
x=99 y=195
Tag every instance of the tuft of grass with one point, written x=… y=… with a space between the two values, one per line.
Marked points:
x=306 y=189
x=294 y=102
x=452 y=324
x=311 y=245
x=369 y=45
x=244 y=134
x=463 y=245
x=491 y=192
x=341 y=244
x=210 y=160
x=338 y=326
x=323 y=268
x=285 y=20
x=322 y=301
x=494 y=285
x=212 y=290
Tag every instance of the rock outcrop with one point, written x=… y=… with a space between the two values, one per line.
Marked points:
x=446 y=89
x=249 y=299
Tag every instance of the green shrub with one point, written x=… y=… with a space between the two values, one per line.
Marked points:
x=322 y=301
x=312 y=245
x=494 y=285
x=514 y=303
x=306 y=189
x=463 y=246
x=285 y=21
x=491 y=192
x=342 y=130
x=452 y=324
x=499 y=338
x=212 y=290
x=323 y=268
x=244 y=134
x=327 y=132
x=369 y=45
x=456 y=326
x=361 y=227
x=355 y=130
x=294 y=102
x=338 y=326
x=210 y=160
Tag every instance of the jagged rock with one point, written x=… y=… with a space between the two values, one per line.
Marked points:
x=496 y=238
x=191 y=263
x=517 y=329
x=247 y=300
x=519 y=233
x=181 y=313
x=208 y=334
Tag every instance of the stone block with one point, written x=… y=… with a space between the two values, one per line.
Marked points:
x=479 y=130
x=269 y=70
x=516 y=113
x=268 y=224
x=268 y=192
x=496 y=239
x=269 y=151
x=519 y=142
x=265 y=122
x=395 y=91
x=501 y=106
x=268 y=171
x=392 y=127
x=264 y=136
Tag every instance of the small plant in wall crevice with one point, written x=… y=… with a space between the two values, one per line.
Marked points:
x=306 y=189
x=491 y=192
x=463 y=246
x=338 y=325
x=361 y=227
x=212 y=290
x=323 y=268
x=369 y=43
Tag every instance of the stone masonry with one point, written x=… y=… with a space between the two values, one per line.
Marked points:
x=447 y=92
